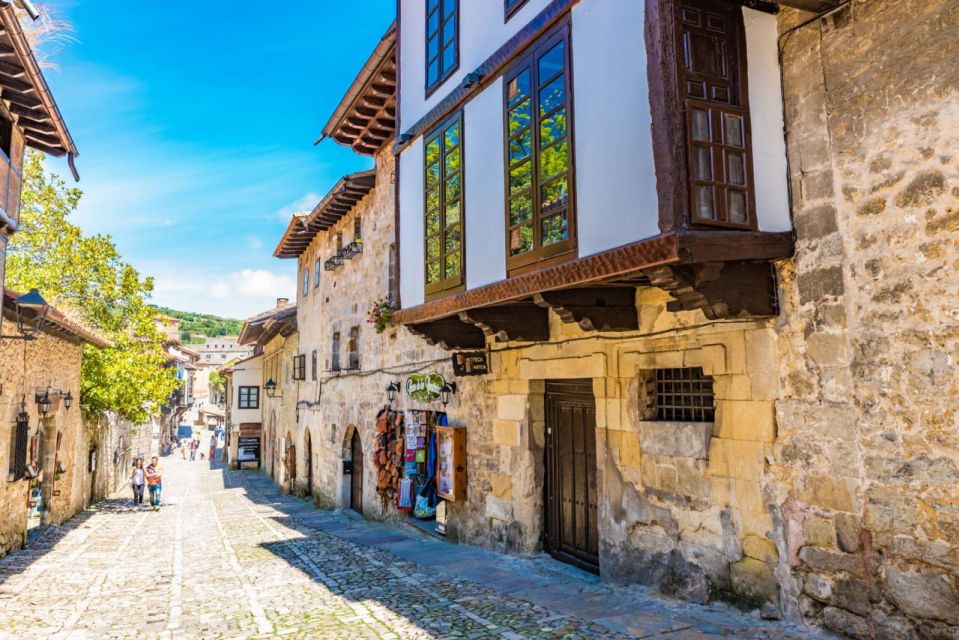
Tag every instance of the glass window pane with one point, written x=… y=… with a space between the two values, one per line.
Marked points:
x=453 y=162
x=433 y=247
x=453 y=239
x=552 y=62
x=433 y=200
x=449 y=7
x=737 y=207
x=453 y=265
x=701 y=125
x=520 y=178
x=433 y=151
x=449 y=56
x=554 y=196
x=452 y=136
x=453 y=188
x=521 y=146
x=703 y=163
x=432 y=72
x=735 y=169
x=432 y=221
x=431 y=4
x=704 y=203
x=552 y=95
x=733 y=126
x=555 y=229
x=518 y=88
x=449 y=28
x=432 y=271
x=433 y=47
x=554 y=161
x=520 y=240
x=452 y=212
x=552 y=128
x=520 y=209
x=519 y=117
x=432 y=23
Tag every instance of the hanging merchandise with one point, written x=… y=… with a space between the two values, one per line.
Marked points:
x=405 y=500
x=387 y=454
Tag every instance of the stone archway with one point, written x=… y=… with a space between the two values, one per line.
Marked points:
x=352 y=456
x=289 y=463
x=269 y=444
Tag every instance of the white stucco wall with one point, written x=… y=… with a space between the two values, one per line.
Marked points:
x=246 y=374
x=766 y=118
x=615 y=179
x=412 y=270
x=482 y=31
x=485 y=187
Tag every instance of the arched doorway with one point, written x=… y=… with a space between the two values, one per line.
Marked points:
x=308 y=459
x=268 y=445
x=289 y=479
x=356 y=478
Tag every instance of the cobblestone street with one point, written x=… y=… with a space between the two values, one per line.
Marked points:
x=228 y=556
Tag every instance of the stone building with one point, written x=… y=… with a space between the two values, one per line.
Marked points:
x=244 y=417
x=717 y=315
x=217 y=350
x=45 y=447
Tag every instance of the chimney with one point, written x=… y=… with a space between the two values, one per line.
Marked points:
x=282 y=302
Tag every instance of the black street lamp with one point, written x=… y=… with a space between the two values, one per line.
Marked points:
x=44 y=403
x=68 y=400
x=392 y=390
x=446 y=391
x=31 y=310
x=270 y=387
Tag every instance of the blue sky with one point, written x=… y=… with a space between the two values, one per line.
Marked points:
x=195 y=124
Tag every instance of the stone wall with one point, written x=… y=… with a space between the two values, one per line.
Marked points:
x=281 y=415
x=866 y=466
x=24 y=367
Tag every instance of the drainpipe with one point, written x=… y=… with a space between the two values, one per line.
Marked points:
x=27 y=6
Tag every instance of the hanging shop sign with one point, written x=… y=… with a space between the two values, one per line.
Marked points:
x=248 y=449
x=470 y=363
x=424 y=387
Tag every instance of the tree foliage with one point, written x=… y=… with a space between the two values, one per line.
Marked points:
x=87 y=276
x=193 y=325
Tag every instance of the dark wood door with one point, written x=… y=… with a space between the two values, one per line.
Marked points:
x=356 y=479
x=571 y=534
x=309 y=465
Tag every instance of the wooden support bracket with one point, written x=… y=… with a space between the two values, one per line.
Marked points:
x=520 y=322
x=594 y=308
x=720 y=289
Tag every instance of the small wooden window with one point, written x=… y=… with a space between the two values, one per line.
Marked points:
x=306 y=281
x=683 y=395
x=444 y=209
x=354 y=348
x=442 y=41
x=18 y=447
x=313 y=365
x=539 y=155
x=299 y=367
x=335 y=356
x=512 y=6
x=358 y=229
x=249 y=398
x=712 y=86
x=317 y=267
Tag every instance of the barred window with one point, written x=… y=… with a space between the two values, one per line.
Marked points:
x=18 y=447
x=683 y=395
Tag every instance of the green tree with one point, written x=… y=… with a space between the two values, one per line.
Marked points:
x=87 y=276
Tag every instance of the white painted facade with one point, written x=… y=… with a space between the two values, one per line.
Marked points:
x=248 y=373
x=615 y=180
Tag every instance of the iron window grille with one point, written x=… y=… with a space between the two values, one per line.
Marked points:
x=683 y=395
x=355 y=248
x=21 y=438
x=332 y=264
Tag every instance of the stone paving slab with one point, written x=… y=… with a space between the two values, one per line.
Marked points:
x=229 y=556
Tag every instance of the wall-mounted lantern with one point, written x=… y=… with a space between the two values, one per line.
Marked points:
x=446 y=391
x=44 y=403
x=68 y=400
x=392 y=390
x=31 y=310
x=270 y=387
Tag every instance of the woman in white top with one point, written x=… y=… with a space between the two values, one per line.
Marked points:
x=137 y=480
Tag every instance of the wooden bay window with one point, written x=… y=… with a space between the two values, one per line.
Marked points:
x=444 y=207
x=711 y=53
x=539 y=179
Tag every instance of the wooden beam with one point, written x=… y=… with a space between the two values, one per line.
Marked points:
x=15 y=84
x=512 y=322
x=721 y=289
x=450 y=333
x=11 y=69
x=594 y=308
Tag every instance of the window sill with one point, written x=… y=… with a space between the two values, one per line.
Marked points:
x=677 y=439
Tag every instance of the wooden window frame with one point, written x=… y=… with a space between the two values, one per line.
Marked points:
x=443 y=74
x=19 y=445
x=353 y=349
x=445 y=285
x=717 y=144
x=299 y=367
x=335 y=352
x=558 y=252
x=317 y=267
x=305 y=285
x=313 y=365
x=511 y=8
x=252 y=397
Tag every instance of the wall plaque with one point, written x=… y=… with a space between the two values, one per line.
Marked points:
x=470 y=363
x=424 y=387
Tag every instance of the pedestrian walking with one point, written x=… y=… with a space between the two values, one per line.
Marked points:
x=194 y=445
x=213 y=448
x=137 y=480
x=154 y=476
x=183 y=447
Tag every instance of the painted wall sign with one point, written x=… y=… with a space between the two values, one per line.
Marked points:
x=424 y=387
x=470 y=363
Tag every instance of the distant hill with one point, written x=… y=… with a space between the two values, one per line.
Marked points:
x=195 y=325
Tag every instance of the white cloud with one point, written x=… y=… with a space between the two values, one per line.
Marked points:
x=305 y=203
x=235 y=294
x=255 y=242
